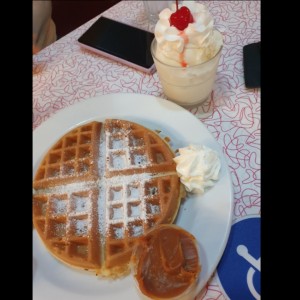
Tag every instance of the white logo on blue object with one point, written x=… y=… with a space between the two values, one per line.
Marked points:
x=239 y=268
x=243 y=252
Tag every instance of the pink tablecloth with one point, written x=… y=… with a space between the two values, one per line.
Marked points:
x=63 y=75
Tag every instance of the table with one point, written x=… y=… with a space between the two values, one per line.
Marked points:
x=63 y=75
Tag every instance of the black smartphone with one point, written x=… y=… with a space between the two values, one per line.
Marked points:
x=251 y=61
x=121 y=42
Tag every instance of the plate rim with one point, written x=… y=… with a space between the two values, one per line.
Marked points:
x=59 y=117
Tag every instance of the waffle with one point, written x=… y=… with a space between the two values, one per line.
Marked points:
x=71 y=159
x=99 y=189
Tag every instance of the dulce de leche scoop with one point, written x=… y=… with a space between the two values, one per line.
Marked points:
x=166 y=264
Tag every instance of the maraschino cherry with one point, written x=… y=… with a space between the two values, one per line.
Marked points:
x=181 y=17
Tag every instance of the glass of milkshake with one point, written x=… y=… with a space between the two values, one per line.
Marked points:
x=186 y=51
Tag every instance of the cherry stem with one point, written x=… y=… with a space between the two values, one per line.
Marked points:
x=176 y=5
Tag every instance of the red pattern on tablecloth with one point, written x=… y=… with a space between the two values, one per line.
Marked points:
x=64 y=74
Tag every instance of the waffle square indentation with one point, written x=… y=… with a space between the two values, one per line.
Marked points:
x=135 y=228
x=40 y=174
x=158 y=155
x=116 y=231
x=58 y=205
x=79 y=249
x=80 y=203
x=115 y=248
x=86 y=128
x=71 y=141
x=152 y=207
x=85 y=138
x=41 y=225
x=116 y=212
x=134 y=209
x=84 y=152
x=40 y=205
x=118 y=160
x=136 y=139
x=69 y=154
x=151 y=188
x=133 y=192
x=116 y=142
x=115 y=193
x=84 y=166
x=57 y=229
x=151 y=222
x=58 y=145
x=52 y=172
x=79 y=227
x=117 y=128
x=55 y=157
x=68 y=169
x=59 y=247
x=138 y=158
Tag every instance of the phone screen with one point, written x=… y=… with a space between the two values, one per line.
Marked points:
x=251 y=60
x=120 y=40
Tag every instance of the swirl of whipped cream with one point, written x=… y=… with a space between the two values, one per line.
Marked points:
x=195 y=44
x=198 y=167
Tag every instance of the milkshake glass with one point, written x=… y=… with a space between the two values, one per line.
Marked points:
x=187 y=86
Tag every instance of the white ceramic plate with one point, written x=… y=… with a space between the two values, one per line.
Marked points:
x=207 y=217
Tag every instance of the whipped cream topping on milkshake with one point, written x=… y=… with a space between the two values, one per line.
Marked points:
x=197 y=43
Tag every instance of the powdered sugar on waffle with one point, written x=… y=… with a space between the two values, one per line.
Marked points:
x=122 y=203
x=117 y=190
x=102 y=187
x=68 y=188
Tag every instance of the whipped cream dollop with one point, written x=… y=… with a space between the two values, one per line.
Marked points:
x=198 y=167
x=195 y=44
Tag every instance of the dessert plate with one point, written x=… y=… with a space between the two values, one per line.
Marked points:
x=207 y=217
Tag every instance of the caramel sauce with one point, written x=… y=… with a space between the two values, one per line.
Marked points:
x=181 y=55
x=167 y=263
